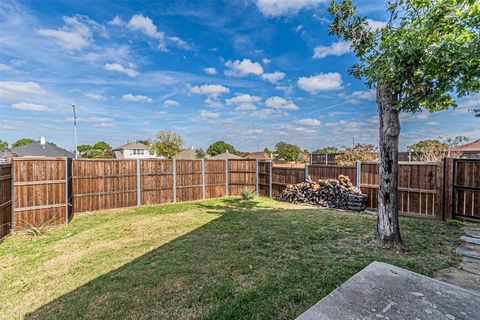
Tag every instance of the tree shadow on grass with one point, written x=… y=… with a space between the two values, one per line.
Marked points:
x=238 y=266
x=232 y=203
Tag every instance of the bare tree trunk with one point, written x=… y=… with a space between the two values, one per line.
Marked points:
x=388 y=229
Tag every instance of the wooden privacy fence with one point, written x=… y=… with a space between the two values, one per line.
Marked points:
x=41 y=191
x=425 y=189
x=51 y=190
x=108 y=184
x=5 y=199
x=420 y=188
x=464 y=198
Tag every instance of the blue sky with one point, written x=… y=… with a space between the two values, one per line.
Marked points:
x=249 y=72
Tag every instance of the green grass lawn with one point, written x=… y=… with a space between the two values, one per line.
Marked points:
x=218 y=259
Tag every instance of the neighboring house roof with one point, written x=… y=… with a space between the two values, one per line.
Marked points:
x=226 y=155
x=259 y=155
x=5 y=153
x=472 y=146
x=187 y=154
x=35 y=149
x=133 y=145
x=117 y=154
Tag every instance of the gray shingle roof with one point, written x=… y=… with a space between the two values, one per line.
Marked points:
x=35 y=149
x=187 y=154
x=133 y=145
x=226 y=155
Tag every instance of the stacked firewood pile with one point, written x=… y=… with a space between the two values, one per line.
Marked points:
x=332 y=193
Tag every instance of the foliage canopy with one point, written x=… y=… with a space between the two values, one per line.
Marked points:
x=22 y=142
x=3 y=145
x=220 y=147
x=427 y=51
x=362 y=152
x=168 y=144
x=286 y=151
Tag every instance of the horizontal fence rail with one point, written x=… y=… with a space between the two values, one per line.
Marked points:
x=52 y=190
x=420 y=184
x=36 y=191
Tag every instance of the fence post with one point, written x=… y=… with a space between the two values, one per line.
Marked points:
x=226 y=177
x=256 y=177
x=12 y=199
x=174 y=163
x=139 y=201
x=359 y=173
x=66 y=190
x=203 y=179
x=270 y=179
x=306 y=172
x=326 y=159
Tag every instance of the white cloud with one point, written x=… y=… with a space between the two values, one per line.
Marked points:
x=210 y=89
x=94 y=96
x=255 y=131
x=243 y=68
x=375 y=25
x=470 y=101
x=104 y=125
x=266 y=61
x=205 y=114
x=340 y=123
x=74 y=35
x=274 y=8
x=16 y=89
x=273 y=77
x=309 y=122
x=8 y=127
x=4 y=67
x=281 y=103
x=246 y=107
x=89 y=119
x=119 y=68
x=321 y=82
x=146 y=26
x=116 y=21
x=357 y=96
x=419 y=116
x=243 y=98
x=171 y=103
x=286 y=89
x=30 y=107
x=179 y=42
x=210 y=70
x=136 y=98
x=335 y=49
x=263 y=114
x=293 y=130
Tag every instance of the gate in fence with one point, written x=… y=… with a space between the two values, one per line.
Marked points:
x=466 y=189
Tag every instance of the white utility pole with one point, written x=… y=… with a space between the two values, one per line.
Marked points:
x=75 y=128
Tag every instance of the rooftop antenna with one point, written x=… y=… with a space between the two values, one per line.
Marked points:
x=75 y=128
x=43 y=141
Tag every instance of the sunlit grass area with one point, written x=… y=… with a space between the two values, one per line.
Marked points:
x=218 y=259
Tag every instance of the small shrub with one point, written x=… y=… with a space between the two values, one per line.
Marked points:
x=37 y=230
x=247 y=194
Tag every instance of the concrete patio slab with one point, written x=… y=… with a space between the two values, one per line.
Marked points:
x=471 y=240
x=472 y=251
x=471 y=265
x=383 y=291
